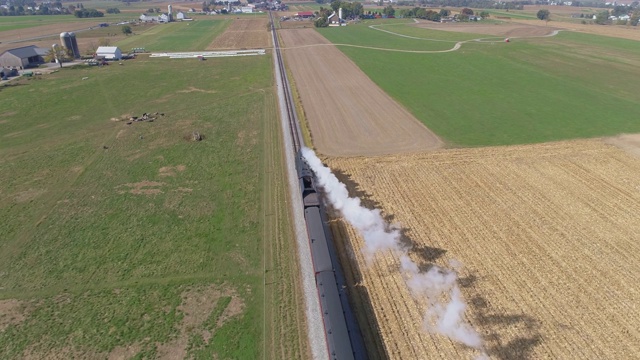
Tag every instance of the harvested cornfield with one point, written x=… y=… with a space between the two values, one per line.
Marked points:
x=243 y=34
x=548 y=236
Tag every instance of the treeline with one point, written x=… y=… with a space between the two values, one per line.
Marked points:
x=24 y=7
x=504 y=5
x=350 y=10
x=88 y=13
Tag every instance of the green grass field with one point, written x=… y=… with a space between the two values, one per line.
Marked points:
x=527 y=91
x=362 y=35
x=113 y=236
x=179 y=36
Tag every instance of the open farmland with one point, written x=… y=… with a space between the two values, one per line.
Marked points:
x=347 y=113
x=129 y=240
x=244 y=34
x=571 y=85
x=178 y=36
x=547 y=235
x=42 y=31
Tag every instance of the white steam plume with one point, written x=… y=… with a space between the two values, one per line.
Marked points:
x=435 y=285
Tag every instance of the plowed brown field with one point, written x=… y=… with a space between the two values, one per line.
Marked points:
x=243 y=34
x=548 y=235
x=348 y=114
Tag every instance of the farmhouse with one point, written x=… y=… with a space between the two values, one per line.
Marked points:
x=109 y=53
x=27 y=56
x=336 y=19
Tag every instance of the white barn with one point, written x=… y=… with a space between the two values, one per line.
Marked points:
x=183 y=17
x=162 y=18
x=109 y=52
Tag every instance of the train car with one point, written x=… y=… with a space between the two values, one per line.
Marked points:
x=344 y=340
x=335 y=326
x=318 y=239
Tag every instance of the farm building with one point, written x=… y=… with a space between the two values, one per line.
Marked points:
x=162 y=18
x=336 y=19
x=182 y=16
x=304 y=14
x=109 y=53
x=24 y=57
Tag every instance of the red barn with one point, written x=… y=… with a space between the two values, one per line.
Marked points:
x=304 y=14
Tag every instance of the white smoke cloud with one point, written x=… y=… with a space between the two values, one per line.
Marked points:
x=445 y=313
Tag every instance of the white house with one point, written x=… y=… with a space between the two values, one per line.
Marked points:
x=109 y=52
x=246 y=9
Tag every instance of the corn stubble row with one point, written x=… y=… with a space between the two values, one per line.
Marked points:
x=548 y=236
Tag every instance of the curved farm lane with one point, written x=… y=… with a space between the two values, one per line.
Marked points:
x=513 y=32
x=348 y=114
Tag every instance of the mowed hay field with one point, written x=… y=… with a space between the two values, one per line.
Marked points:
x=132 y=241
x=548 y=236
x=347 y=113
x=244 y=33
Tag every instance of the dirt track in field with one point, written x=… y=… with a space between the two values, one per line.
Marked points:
x=347 y=113
x=243 y=34
x=503 y=30
x=548 y=235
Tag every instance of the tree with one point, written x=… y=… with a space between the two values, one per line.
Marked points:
x=113 y=11
x=126 y=30
x=321 y=22
x=335 y=5
x=602 y=17
x=619 y=10
x=59 y=54
x=88 y=13
x=635 y=18
x=466 y=11
x=389 y=11
x=543 y=14
x=445 y=12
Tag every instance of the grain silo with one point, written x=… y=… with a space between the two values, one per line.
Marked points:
x=65 y=40
x=170 y=14
x=54 y=48
x=74 y=46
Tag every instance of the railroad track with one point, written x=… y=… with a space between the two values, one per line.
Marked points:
x=339 y=337
x=294 y=126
